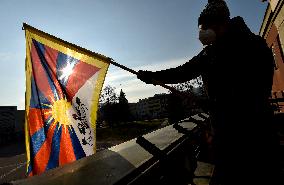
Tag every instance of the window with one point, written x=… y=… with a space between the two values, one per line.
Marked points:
x=275 y=59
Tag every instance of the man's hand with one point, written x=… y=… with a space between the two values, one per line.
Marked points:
x=146 y=76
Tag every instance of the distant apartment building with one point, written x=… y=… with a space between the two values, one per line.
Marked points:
x=150 y=108
x=272 y=29
x=20 y=122
x=158 y=106
x=11 y=123
x=7 y=119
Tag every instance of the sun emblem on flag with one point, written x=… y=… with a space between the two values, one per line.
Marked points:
x=59 y=113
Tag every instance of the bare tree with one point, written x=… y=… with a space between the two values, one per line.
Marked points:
x=108 y=95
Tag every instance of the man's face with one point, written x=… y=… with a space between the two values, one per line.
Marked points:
x=207 y=35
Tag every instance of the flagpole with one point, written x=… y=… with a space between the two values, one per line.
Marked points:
x=173 y=90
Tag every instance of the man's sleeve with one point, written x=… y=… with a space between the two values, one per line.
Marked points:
x=190 y=70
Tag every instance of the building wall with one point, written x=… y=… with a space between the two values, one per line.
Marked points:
x=151 y=108
x=20 y=122
x=279 y=23
x=272 y=30
x=7 y=119
x=273 y=4
x=273 y=41
x=7 y=123
x=12 y=123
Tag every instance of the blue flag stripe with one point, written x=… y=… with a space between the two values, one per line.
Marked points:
x=78 y=150
x=53 y=161
x=37 y=141
x=38 y=100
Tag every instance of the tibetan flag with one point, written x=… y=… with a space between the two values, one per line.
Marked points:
x=63 y=85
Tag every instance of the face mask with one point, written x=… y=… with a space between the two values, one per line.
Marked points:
x=207 y=37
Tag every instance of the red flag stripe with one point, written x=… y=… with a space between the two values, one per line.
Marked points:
x=36 y=117
x=40 y=76
x=42 y=157
x=81 y=73
x=66 y=153
x=51 y=58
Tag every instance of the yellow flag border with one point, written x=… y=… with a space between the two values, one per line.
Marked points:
x=74 y=51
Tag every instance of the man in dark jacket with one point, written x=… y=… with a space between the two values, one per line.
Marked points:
x=237 y=70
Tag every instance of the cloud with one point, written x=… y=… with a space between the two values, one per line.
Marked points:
x=162 y=65
x=120 y=74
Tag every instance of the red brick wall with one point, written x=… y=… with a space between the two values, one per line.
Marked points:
x=271 y=36
x=273 y=42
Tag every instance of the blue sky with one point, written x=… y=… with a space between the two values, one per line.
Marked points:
x=141 y=34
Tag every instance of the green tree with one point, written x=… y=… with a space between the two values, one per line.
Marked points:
x=124 y=112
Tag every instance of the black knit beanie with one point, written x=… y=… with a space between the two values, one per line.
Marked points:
x=215 y=12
